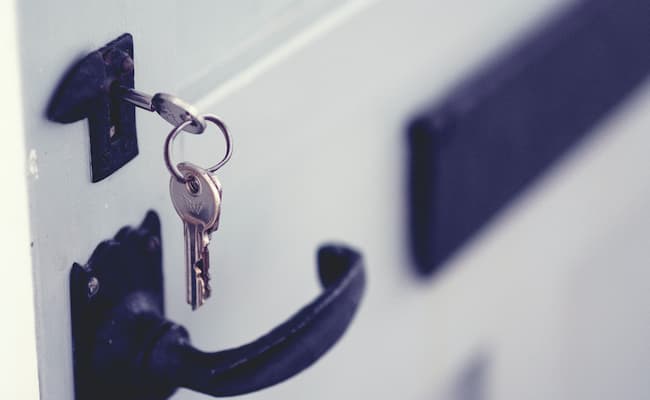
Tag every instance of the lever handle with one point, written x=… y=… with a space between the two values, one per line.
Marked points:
x=283 y=352
x=125 y=348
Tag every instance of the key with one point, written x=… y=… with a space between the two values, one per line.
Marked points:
x=198 y=203
x=171 y=108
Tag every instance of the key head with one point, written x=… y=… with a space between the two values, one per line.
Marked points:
x=176 y=111
x=197 y=201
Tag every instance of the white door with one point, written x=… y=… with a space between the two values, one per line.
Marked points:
x=550 y=301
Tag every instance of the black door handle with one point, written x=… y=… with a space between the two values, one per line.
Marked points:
x=125 y=348
x=280 y=354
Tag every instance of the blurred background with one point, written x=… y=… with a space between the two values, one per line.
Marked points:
x=542 y=295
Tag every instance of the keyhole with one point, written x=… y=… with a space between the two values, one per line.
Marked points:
x=115 y=108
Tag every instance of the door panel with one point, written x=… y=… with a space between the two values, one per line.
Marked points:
x=317 y=111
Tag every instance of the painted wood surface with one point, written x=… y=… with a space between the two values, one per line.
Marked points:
x=318 y=123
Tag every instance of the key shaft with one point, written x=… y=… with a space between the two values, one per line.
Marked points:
x=195 y=271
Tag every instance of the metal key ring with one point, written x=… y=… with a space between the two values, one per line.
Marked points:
x=169 y=142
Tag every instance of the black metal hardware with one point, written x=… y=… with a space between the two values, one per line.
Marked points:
x=483 y=144
x=124 y=348
x=85 y=92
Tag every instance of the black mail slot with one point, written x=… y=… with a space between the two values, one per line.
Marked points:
x=473 y=152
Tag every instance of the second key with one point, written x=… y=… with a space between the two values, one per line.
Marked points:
x=198 y=202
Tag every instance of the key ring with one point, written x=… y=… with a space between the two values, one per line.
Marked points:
x=169 y=141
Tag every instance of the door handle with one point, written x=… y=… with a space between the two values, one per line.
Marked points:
x=125 y=348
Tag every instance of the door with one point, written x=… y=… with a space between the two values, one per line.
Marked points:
x=549 y=301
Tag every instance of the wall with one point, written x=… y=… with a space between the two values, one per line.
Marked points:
x=18 y=371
